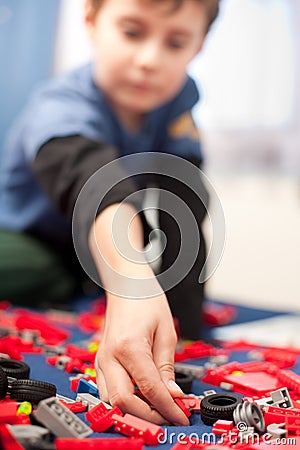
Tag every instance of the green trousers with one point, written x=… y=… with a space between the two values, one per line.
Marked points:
x=31 y=273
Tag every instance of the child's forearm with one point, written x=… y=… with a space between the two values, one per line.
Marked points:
x=116 y=243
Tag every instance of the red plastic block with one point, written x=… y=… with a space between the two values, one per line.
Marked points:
x=179 y=402
x=14 y=346
x=7 y=440
x=4 y=305
x=279 y=415
x=192 y=403
x=101 y=443
x=215 y=315
x=198 y=349
x=222 y=426
x=90 y=322
x=51 y=334
x=75 y=407
x=8 y=414
x=281 y=358
x=289 y=379
x=7 y=347
x=76 y=352
x=76 y=365
x=292 y=425
x=250 y=379
x=101 y=417
x=135 y=427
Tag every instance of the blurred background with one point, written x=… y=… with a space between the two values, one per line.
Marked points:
x=249 y=117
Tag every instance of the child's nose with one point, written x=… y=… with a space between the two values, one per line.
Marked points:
x=149 y=56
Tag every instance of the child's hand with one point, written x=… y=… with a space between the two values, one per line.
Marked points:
x=139 y=342
x=139 y=338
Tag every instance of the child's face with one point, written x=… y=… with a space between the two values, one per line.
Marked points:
x=142 y=50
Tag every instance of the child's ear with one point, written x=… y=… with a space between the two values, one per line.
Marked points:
x=89 y=17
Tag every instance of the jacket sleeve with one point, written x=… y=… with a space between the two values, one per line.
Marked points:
x=76 y=167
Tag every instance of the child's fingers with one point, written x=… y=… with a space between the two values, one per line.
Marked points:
x=163 y=356
x=101 y=384
x=121 y=394
x=140 y=365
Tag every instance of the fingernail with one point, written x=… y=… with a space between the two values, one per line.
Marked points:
x=172 y=385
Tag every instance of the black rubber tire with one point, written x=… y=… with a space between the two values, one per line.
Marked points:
x=16 y=369
x=32 y=391
x=218 y=406
x=3 y=384
x=184 y=381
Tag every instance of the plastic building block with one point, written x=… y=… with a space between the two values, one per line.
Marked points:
x=24 y=408
x=101 y=443
x=59 y=420
x=30 y=436
x=50 y=333
x=88 y=400
x=90 y=371
x=59 y=362
x=282 y=358
x=8 y=440
x=76 y=365
x=197 y=349
x=75 y=381
x=4 y=305
x=289 y=379
x=15 y=345
x=84 y=355
x=101 y=417
x=217 y=315
x=135 y=427
x=281 y=398
x=87 y=387
x=192 y=403
x=90 y=322
x=222 y=427
x=292 y=425
x=8 y=413
x=179 y=402
x=277 y=430
x=74 y=407
x=278 y=415
x=189 y=369
x=251 y=379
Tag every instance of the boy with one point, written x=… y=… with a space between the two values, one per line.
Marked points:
x=134 y=98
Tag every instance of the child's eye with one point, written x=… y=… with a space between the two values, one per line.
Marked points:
x=176 y=45
x=132 y=33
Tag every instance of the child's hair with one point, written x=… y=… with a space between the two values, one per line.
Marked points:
x=211 y=6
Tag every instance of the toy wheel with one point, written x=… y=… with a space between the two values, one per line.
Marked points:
x=184 y=381
x=32 y=391
x=218 y=406
x=3 y=384
x=14 y=368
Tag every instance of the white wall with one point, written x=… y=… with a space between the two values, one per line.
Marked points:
x=72 y=43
